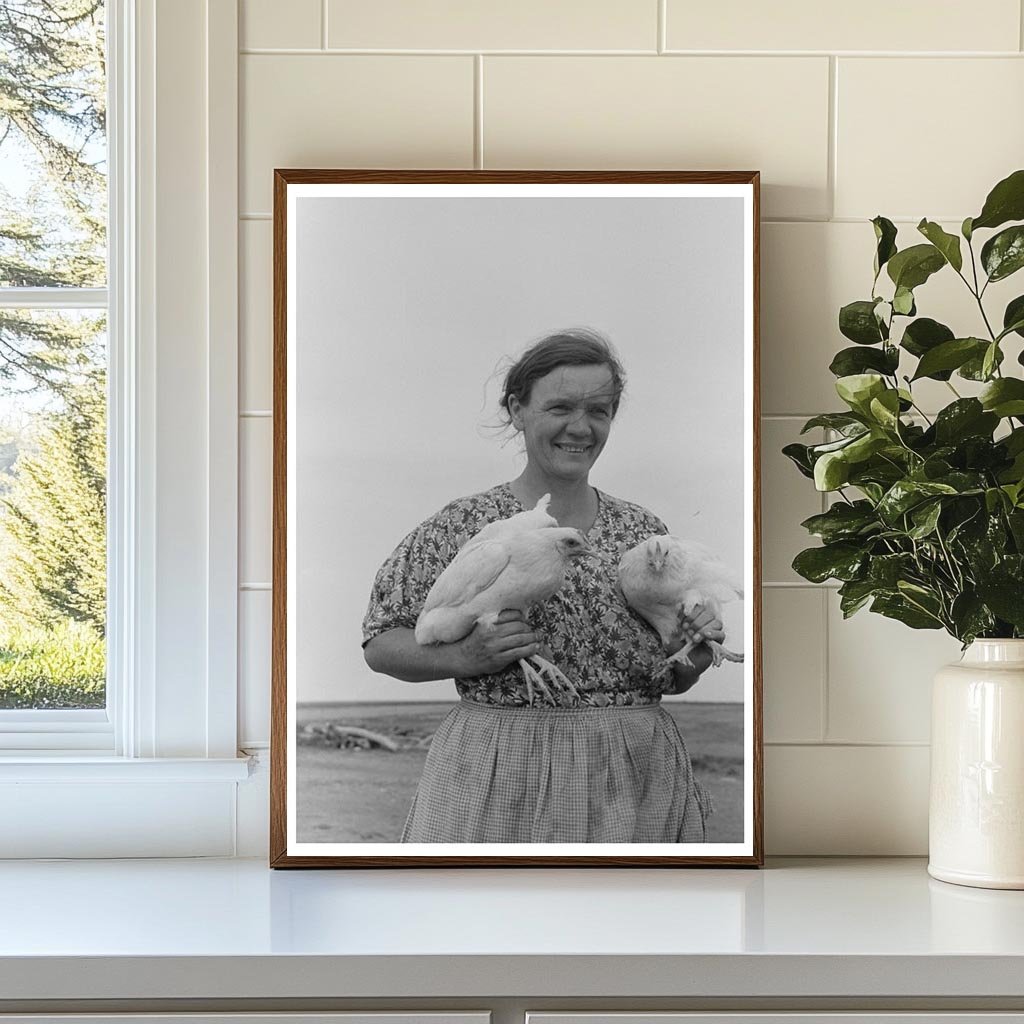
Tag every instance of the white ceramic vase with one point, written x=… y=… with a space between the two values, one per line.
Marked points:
x=976 y=814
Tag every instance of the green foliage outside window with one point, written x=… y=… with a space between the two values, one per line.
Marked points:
x=52 y=364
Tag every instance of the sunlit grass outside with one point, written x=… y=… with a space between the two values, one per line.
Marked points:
x=60 y=667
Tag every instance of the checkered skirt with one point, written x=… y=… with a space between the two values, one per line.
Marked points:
x=557 y=775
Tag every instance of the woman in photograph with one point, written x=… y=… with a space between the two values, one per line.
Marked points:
x=605 y=764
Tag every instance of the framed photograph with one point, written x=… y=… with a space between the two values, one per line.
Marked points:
x=516 y=586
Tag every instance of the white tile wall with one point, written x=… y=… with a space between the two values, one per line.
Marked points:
x=254 y=610
x=874 y=25
x=971 y=110
x=471 y=25
x=701 y=113
x=255 y=442
x=787 y=499
x=256 y=307
x=794 y=642
x=261 y=25
x=327 y=110
x=879 y=677
x=838 y=139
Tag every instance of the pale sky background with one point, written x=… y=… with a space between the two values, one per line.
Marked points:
x=407 y=310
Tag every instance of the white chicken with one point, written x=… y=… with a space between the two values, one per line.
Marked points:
x=510 y=564
x=664 y=579
x=536 y=518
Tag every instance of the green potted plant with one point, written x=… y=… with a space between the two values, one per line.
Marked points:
x=927 y=521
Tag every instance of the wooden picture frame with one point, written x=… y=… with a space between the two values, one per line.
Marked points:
x=397 y=294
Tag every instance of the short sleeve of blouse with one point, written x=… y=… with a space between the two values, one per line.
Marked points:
x=404 y=580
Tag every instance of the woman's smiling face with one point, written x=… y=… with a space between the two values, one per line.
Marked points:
x=566 y=420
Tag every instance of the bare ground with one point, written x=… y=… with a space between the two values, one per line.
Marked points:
x=359 y=795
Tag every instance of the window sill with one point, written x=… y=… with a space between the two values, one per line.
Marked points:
x=79 y=806
x=78 y=767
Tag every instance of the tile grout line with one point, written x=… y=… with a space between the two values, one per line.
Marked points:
x=478 y=111
x=848 y=744
x=833 y=134
x=825 y=724
x=257 y=51
x=826 y=651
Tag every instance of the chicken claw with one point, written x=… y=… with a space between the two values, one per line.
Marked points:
x=534 y=679
x=541 y=673
x=720 y=653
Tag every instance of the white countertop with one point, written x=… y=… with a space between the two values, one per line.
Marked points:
x=235 y=929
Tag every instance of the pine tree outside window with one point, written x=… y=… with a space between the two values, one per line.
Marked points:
x=53 y=365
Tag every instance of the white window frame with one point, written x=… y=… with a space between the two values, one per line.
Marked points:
x=157 y=773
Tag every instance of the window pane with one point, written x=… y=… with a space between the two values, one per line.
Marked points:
x=52 y=509
x=53 y=151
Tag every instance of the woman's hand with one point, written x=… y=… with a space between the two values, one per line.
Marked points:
x=700 y=625
x=487 y=649
x=491 y=648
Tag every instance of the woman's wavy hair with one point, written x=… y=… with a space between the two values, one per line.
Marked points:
x=577 y=346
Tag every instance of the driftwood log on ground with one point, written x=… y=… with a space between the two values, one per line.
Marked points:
x=342 y=735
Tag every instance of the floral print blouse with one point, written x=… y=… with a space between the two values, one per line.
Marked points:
x=612 y=655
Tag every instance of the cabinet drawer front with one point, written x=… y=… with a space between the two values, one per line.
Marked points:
x=361 y=1017
x=789 y=1017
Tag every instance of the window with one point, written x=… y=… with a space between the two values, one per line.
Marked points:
x=53 y=371
x=156 y=771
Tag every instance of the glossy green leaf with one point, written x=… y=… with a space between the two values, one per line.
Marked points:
x=965 y=228
x=990 y=361
x=799 y=455
x=841 y=421
x=911 y=267
x=857 y=321
x=925 y=518
x=950 y=355
x=1005 y=597
x=966 y=417
x=834 y=446
x=971 y=616
x=843 y=521
x=864 y=446
x=903 y=302
x=974 y=368
x=858 y=389
x=885 y=571
x=885 y=237
x=1013 y=317
x=947 y=244
x=840 y=561
x=854 y=594
x=1005 y=202
x=899 y=608
x=850 y=361
x=885 y=409
x=1004 y=397
x=904 y=495
x=923 y=335
x=831 y=471
x=1003 y=254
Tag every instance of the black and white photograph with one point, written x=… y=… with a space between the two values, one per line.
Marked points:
x=515 y=507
